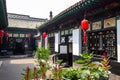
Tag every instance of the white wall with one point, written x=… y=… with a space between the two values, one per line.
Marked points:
x=23 y=23
x=118 y=40
x=57 y=41
x=77 y=42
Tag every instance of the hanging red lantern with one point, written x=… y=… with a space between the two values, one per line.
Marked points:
x=29 y=35
x=84 y=26
x=7 y=35
x=1 y=35
x=44 y=35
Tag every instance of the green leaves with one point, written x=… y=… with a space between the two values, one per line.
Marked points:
x=85 y=58
x=86 y=55
x=70 y=73
x=92 y=70
x=80 y=61
x=42 y=53
x=30 y=74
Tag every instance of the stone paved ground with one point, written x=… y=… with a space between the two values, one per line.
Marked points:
x=11 y=69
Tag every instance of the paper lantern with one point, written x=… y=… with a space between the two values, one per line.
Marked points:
x=29 y=35
x=1 y=33
x=44 y=34
x=84 y=26
x=7 y=35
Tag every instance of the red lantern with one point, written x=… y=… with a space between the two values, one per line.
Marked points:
x=44 y=35
x=84 y=26
x=1 y=35
x=29 y=35
x=7 y=35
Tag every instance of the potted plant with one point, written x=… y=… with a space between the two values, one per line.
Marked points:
x=57 y=72
x=70 y=74
x=42 y=56
x=93 y=70
x=30 y=74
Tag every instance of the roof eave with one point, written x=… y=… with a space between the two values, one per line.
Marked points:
x=3 y=14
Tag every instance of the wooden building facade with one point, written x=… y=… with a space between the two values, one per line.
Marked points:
x=65 y=35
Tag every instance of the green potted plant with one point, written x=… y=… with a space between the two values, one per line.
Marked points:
x=70 y=74
x=93 y=70
x=30 y=74
x=57 y=72
x=42 y=56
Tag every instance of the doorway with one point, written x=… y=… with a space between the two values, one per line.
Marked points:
x=19 y=47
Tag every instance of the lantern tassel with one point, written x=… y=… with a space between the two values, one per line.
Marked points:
x=85 y=35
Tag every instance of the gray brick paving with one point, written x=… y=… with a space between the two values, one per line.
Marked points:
x=11 y=69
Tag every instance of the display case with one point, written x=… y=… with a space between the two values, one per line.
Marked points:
x=103 y=41
x=110 y=43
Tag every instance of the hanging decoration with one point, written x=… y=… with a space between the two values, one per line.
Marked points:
x=29 y=36
x=7 y=35
x=84 y=26
x=1 y=36
x=44 y=35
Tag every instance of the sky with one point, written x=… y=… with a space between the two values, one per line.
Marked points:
x=38 y=8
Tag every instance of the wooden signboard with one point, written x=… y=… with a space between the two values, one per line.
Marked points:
x=96 y=25
x=110 y=22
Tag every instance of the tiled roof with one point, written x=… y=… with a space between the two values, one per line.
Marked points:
x=24 y=17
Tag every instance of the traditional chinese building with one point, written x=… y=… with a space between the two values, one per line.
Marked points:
x=22 y=31
x=65 y=35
